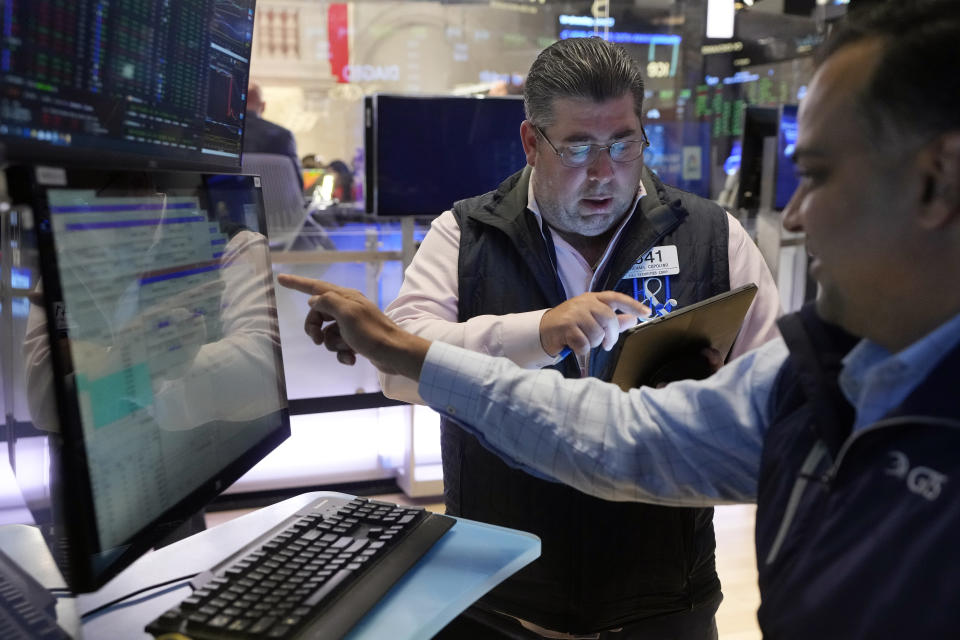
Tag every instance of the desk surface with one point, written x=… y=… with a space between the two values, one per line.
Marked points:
x=469 y=560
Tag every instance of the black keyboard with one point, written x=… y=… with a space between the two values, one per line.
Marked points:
x=27 y=609
x=314 y=576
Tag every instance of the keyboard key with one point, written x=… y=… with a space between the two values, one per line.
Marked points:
x=239 y=625
x=357 y=545
x=220 y=621
x=345 y=541
x=263 y=624
x=329 y=586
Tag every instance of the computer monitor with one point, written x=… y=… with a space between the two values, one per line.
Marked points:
x=135 y=84
x=423 y=153
x=150 y=359
x=758 y=123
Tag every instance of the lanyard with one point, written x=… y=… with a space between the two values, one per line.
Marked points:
x=650 y=288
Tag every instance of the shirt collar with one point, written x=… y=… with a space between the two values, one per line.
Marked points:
x=875 y=380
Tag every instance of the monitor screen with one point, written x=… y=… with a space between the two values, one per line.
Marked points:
x=151 y=361
x=425 y=153
x=144 y=84
x=758 y=123
x=786 y=180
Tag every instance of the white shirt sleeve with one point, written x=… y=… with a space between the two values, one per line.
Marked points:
x=427 y=306
x=747 y=265
x=691 y=443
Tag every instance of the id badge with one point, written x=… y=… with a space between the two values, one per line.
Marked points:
x=659 y=261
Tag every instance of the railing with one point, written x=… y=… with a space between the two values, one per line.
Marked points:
x=414 y=477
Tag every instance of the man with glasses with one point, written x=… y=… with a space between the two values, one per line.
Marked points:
x=529 y=271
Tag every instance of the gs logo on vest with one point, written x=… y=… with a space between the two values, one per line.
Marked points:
x=923 y=481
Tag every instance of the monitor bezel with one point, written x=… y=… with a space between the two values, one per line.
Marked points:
x=15 y=152
x=75 y=541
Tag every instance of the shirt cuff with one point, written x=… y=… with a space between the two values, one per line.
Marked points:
x=520 y=340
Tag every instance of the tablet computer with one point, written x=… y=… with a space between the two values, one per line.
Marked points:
x=652 y=345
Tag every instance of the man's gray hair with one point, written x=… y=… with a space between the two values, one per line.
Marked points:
x=580 y=68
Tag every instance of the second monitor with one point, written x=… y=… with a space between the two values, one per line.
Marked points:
x=424 y=153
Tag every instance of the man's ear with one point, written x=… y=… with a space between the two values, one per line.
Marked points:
x=941 y=193
x=528 y=136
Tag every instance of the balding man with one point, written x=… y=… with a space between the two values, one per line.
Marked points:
x=263 y=136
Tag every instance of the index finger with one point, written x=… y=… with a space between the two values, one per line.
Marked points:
x=306 y=285
x=622 y=302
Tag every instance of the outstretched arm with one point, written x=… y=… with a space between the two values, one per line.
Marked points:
x=347 y=323
x=692 y=443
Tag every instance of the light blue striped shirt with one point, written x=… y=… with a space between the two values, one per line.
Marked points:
x=875 y=381
x=688 y=444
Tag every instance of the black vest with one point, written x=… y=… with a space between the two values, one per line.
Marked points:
x=603 y=564
x=857 y=535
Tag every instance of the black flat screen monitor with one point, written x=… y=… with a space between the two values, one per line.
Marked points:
x=767 y=122
x=423 y=153
x=758 y=123
x=152 y=369
x=143 y=84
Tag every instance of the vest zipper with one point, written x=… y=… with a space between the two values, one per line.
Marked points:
x=813 y=459
x=816 y=455
x=831 y=473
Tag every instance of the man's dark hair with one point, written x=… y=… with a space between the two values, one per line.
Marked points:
x=915 y=88
x=580 y=68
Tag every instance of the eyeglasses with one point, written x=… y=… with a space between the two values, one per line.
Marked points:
x=581 y=155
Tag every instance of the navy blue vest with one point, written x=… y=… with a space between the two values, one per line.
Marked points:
x=603 y=564
x=857 y=537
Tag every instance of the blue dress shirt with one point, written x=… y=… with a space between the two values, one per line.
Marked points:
x=691 y=443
